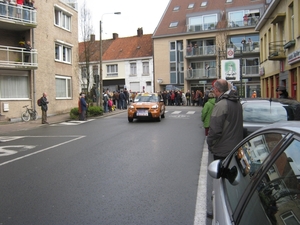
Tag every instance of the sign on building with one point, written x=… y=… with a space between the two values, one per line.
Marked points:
x=230 y=70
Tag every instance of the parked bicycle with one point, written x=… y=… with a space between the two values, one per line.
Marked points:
x=29 y=114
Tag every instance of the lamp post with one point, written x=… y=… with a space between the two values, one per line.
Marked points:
x=100 y=61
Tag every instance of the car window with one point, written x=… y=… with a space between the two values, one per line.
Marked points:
x=248 y=159
x=146 y=98
x=276 y=200
x=264 y=113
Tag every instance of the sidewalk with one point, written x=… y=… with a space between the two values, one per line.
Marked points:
x=8 y=127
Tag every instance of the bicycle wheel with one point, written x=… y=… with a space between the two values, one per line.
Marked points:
x=25 y=116
x=35 y=115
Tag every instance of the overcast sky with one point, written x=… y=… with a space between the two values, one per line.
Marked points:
x=134 y=14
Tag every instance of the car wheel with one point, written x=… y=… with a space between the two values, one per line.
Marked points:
x=159 y=118
x=130 y=119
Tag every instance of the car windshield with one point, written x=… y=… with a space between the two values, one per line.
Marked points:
x=146 y=98
x=264 y=113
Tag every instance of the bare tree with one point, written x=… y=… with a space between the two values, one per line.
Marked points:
x=87 y=47
x=222 y=39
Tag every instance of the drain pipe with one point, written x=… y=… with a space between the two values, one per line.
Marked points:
x=34 y=91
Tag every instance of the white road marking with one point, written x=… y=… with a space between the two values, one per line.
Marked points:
x=13 y=149
x=72 y=122
x=201 y=202
x=190 y=112
x=42 y=150
x=176 y=112
x=9 y=138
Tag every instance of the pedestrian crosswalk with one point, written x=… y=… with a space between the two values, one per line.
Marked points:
x=171 y=113
x=180 y=112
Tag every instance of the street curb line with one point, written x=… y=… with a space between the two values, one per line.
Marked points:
x=201 y=203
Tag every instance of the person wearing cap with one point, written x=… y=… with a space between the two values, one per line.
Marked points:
x=281 y=90
x=207 y=110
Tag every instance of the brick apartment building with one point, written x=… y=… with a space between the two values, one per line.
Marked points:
x=51 y=65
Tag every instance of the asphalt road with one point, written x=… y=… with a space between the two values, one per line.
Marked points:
x=104 y=171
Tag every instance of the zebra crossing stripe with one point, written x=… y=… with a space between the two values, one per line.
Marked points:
x=190 y=112
x=176 y=112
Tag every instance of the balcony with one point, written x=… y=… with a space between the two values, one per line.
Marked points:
x=276 y=50
x=252 y=47
x=250 y=71
x=252 y=21
x=201 y=51
x=17 y=58
x=201 y=27
x=196 y=74
x=14 y=18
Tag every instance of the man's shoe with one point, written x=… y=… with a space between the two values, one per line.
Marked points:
x=209 y=215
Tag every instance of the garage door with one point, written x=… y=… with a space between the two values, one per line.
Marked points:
x=134 y=86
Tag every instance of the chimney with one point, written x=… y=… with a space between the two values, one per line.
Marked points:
x=115 y=36
x=92 y=37
x=140 y=32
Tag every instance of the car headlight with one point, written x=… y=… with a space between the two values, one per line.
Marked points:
x=154 y=107
x=131 y=107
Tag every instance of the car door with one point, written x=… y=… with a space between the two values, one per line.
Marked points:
x=241 y=174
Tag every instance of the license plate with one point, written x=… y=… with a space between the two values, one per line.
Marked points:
x=142 y=113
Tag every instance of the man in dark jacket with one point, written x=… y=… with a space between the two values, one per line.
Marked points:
x=44 y=108
x=226 y=121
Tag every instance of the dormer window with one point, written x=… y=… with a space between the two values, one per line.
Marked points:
x=191 y=6
x=176 y=8
x=228 y=1
x=203 y=4
x=173 y=24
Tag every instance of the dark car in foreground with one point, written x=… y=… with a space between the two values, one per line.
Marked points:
x=259 y=181
x=259 y=112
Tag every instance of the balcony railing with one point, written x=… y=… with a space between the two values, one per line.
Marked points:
x=14 y=13
x=250 y=71
x=201 y=27
x=14 y=57
x=200 y=51
x=276 y=50
x=252 y=21
x=246 y=48
x=201 y=74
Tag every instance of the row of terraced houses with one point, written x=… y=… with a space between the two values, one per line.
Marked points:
x=252 y=43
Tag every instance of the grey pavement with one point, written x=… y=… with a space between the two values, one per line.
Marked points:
x=8 y=127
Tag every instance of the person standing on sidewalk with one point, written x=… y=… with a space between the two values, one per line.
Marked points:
x=226 y=121
x=44 y=108
x=83 y=107
x=207 y=110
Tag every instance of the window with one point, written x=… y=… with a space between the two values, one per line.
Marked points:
x=146 y=68
x=83 y=72
x=292 y=26
x=95 y=70
x=228 y=1
x=173 y=24
x=203 y=4
x=63 y=53
x=112 y=70
x=191 y=6
x=236 y=18
x=276 y=198
x=198 y=23
x=62 y=18
x=14 y=87
x=63 y=87
x=176 y=8
x=133 y=69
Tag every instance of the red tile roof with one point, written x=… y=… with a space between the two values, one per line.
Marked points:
x=118 y=48
x=213 y=6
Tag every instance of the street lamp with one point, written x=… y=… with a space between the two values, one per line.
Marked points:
x=101 y=75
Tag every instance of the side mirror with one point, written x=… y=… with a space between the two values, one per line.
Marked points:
x=214 y=169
